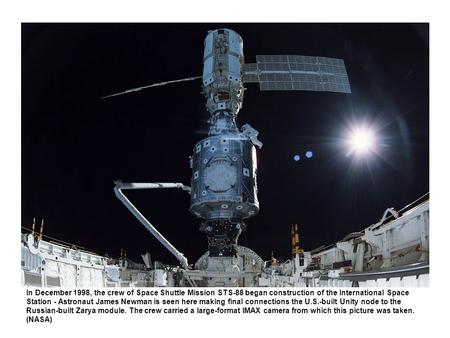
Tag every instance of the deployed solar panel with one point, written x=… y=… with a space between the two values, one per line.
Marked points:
x=249 y=73
x=297 y=72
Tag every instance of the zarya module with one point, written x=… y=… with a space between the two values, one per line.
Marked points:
x=224 y=166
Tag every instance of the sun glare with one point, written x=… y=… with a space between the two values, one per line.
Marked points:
x=361 y=141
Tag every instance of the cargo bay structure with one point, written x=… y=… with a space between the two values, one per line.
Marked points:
x=393 y=252
x=223 y=194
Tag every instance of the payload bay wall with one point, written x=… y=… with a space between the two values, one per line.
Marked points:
x=49 y=264
x=393 y=252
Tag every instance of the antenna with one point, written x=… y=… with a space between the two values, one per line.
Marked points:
x=159 y=84
x=41 y=231
x=33 y=226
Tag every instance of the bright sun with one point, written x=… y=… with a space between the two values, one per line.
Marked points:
x=362 y=141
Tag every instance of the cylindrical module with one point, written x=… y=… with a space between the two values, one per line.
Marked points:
x=224 y=178
x=223 y=184
x=222 y=59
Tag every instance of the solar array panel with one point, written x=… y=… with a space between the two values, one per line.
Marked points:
x=298 y=72
x=249 y=72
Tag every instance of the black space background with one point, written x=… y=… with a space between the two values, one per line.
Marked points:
x=74 y=144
